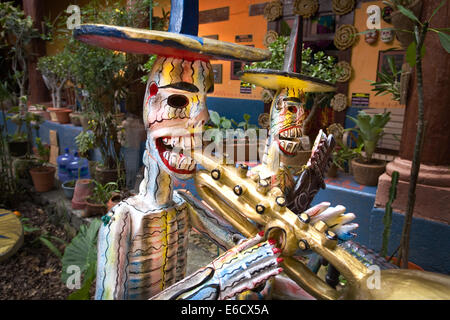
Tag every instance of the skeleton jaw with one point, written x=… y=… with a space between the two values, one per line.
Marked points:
x=175 y=153
x=289 y=140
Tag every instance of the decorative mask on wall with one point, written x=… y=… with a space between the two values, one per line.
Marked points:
x=371 y=36
x=387 y=35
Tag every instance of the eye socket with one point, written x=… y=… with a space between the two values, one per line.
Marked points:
x=177 y=101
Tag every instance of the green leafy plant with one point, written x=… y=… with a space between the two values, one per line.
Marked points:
x=342 y=154
x=85 y=142
x=389 y=82
x=56 y=71
x=16 y=34
x=369 y=130
x=218 y=125
x=102 y=192
x=42 y=150
x=82 y=252
x=44 y=238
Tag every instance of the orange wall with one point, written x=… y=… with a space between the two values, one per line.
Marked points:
x=365 y=61
x=240 y=23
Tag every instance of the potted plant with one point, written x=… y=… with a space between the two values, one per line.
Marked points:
x=85 y=144
x=96 y=202
x=340 y=158
x=69 y=188
x=243 y=136
x=56 y=72
x=43 y=175
x=369 y=129
x=117 y=197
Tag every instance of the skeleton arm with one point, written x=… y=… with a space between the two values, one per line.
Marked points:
x=209 y=224
x=241 y=268
x=113 y=243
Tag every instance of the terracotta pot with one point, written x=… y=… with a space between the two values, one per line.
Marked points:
x=43 y=178
x=62 y=115
x=104 y=175
x=17 y=148
x=93 y=209
x=83 y=189
x=115 y=199
x=52 y=112
x=368 y=173
x=68 y=188
x=75 y=118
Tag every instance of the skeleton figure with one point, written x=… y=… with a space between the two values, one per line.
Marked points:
x=142 y=244
x=286 y=139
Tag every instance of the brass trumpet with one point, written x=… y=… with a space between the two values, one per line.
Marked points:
x=245 y=204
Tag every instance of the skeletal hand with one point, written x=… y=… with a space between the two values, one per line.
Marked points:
x=243 y=267
x=336 y=219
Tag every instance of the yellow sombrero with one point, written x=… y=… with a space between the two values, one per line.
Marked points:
x=180 y=41
x=288 y=77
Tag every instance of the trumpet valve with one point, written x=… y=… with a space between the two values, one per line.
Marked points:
x=280 y=203
x=243 y=169
x=263 y=187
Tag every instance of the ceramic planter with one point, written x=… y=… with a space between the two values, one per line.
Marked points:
x=62 y=115
x=43 y=178
x=83 y=189
x=94 y=209
x=368 y=173
x=69 y=188
x=104 y=175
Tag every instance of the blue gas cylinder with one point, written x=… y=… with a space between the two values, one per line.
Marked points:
x=62 y=161
x=78 y=167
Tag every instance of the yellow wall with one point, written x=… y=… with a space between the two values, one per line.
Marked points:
x=365 y=61
x=239 y=24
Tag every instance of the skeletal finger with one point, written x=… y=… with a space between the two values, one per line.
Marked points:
x=329 y=214
x=317 y=209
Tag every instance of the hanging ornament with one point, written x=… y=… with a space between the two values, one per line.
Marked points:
x=273 y=10
x=264 y=120
x=267 y=95
x=386 y=14
x=337 y=130
x=345 y=36
x=305 y=8
x=270 y=37
x=345 y=71
x=342 y=7
x=387 y=35
x=371 y=36
x=339 y=102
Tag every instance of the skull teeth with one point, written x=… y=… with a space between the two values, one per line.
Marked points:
x=178 y=157
x=291 y=133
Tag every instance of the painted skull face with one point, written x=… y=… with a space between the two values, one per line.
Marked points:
x=371 y=36
x=175 y=111
x=387 y=35
x=286 y=120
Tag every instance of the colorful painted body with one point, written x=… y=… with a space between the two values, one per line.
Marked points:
x=142 y=245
